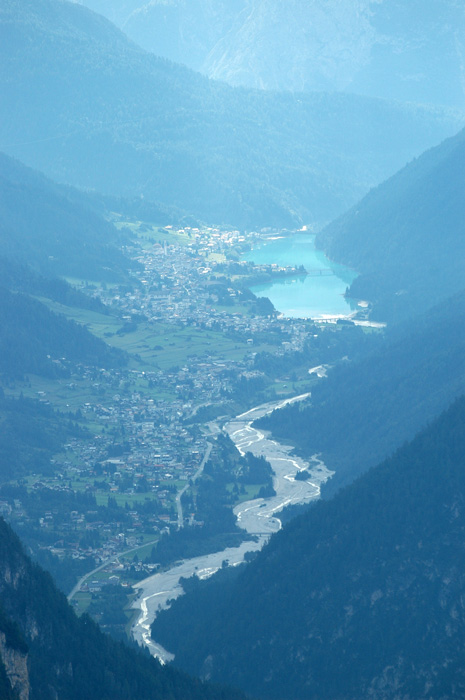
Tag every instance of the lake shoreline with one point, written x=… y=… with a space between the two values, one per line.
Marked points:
x=315 y=292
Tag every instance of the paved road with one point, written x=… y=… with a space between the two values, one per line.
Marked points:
x=105 y=563
x=84 y=578
x=194 y=478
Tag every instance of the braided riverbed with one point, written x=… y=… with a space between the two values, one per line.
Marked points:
x=258 y=517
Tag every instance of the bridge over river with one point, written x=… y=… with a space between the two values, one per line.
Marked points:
x=320 y=272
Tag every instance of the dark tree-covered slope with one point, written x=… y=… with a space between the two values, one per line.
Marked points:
x=37 y=341
x=367 y=408
x=69 y=657
x=362 y=597
x=30 y=433
x=48 y=230
x=406 y=237
x=13 y=651
x=21 y=278
x=90 y=108
x=55 y=230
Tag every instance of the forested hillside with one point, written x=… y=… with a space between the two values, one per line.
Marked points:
x=124 y=122
x=20 y=277
x=30 y=434
x=56 y=230
x=365 y=409
x=113 y=463
x=46 y=230
x=360 y=597
x=35 y=340
x=406 y=236
x=49 y=652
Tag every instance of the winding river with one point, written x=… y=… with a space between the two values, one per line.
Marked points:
x=257 y=517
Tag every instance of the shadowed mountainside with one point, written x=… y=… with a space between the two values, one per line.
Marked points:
x=359 y=597
x=69 y=657
x=365 y=409
x=406 y=236
x=55 y=230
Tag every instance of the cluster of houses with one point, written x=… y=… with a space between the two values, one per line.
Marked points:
x=190 y=286
x=148 y=441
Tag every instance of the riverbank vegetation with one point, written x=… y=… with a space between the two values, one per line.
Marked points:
x=210 y=525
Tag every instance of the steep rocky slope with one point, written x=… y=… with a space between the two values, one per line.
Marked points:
x=69 y=657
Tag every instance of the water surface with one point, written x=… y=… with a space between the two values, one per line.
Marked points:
x=319 y=294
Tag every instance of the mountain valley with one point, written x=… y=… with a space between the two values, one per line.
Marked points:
x=158 y=414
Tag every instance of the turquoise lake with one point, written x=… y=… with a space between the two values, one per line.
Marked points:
x=319 y=294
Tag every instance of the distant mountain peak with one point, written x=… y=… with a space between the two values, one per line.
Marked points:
x=84 y=104
x=385 y=48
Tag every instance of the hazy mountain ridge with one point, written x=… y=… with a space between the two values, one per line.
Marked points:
x=18 y=277
x=406 y=236
x=360 y=597
x=185 y=32
x=383 y=48
x=55 y=230
x=297 y=46
x=47 y=230
x=124 y=122
x=37 y=341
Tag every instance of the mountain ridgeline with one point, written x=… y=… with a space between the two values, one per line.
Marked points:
x=56 y=230
x=362 y=595
x=382 y=48
x=37 y=341
x=48 y=231
x=359 y=597
x=126 y=123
